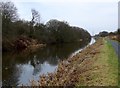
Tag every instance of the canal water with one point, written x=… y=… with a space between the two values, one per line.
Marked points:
x=21 y=67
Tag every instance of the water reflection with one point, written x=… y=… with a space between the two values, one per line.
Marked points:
x=19 y=68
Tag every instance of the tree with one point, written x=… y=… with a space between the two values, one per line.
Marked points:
x=103 y=34
x=9 y=11
x=35 y=17
x=35 y=21
x=9 y=16
x=118 y=31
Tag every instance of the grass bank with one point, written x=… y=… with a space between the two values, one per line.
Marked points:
x=105 y=67
x=96 y=65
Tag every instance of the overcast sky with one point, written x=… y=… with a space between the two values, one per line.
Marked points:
x=92 y=15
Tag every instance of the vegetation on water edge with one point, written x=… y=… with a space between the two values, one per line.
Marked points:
x=19 y=34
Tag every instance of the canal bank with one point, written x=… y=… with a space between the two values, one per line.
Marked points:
x=20 y=67
x=96 y=65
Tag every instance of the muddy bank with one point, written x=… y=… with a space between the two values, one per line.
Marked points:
x=69 y=71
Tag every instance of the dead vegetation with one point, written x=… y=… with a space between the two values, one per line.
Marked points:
x=115 y=37
x=26 y=43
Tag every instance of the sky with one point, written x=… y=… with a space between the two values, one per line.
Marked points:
x=92 y=15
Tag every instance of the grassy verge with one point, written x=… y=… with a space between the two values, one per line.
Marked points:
x=104 y=66
x=112 y=60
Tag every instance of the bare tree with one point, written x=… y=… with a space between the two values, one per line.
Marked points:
x=9 y=11
x=34 y=21
x=35 y=17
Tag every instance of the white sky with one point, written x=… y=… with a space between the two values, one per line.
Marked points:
x=92 y=15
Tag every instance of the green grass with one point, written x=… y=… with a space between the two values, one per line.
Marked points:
x=118 y=66
x=106 y=73
x=112 y=62
x=107 y=61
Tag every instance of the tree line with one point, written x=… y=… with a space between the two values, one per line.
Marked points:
x=53 y=32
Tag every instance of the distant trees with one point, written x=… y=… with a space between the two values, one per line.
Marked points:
x=53 y=31
x=57 y=30
x=103 y=34
x=118 y=30
x=61 y=32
